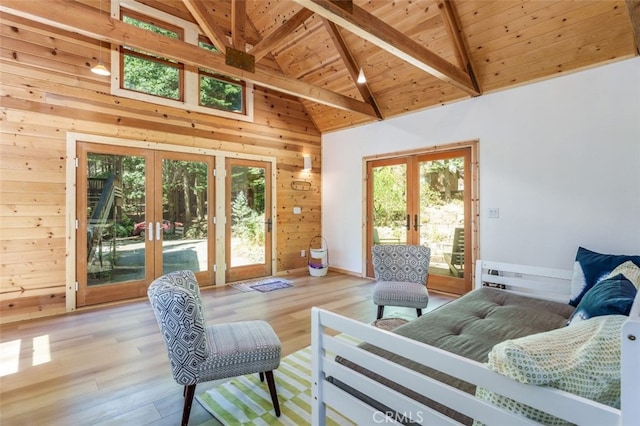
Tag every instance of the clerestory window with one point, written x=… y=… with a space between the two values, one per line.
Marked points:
x=164 y=80
x=148 y=73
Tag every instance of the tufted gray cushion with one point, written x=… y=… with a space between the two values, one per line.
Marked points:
x=401 y=272
x=198 y=353
x=240 y=348
x=408 y=295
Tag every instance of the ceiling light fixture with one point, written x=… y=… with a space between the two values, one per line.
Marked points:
x=361 y=78
x=100 y=69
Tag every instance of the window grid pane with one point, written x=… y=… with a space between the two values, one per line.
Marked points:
x=221 y=94
x=151 y=77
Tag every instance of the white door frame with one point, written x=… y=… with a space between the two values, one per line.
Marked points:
x=219 y=181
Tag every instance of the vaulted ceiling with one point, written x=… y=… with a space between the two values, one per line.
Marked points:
x=415 y=54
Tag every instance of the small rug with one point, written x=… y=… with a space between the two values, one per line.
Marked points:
x=389 y=323
x=262 y=284
x=276 y=285
x=246 y=401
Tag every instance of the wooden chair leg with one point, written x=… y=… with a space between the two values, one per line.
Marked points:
x=189 y=392
x=261 y=376
x=272 y=390
x=419 y=312
x=380 y=311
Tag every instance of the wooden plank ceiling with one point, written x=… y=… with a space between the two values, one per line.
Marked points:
x=415 y=54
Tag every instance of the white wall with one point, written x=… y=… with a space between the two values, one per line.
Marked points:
x=559 y=158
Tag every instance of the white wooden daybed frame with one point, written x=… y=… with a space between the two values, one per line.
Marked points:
x=544 y=283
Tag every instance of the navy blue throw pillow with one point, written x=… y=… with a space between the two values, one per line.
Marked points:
x=591 y=267
x=611 y=296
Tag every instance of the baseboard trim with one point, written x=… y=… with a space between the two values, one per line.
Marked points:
x=346 y=272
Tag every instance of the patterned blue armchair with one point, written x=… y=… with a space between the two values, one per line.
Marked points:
x=401 y=273
x=200 y=353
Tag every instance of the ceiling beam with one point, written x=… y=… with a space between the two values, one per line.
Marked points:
x=87 y=21
x=450 y=17
x=276 y=37
x=377 y=32
x=351 y=65
x=208 y=26
x=238 y=20
x=633 y=6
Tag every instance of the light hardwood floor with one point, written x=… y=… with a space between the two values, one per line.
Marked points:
x=109 y=365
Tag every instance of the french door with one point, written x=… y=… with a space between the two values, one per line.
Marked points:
x=424 y=199
x=140 y=214
x=249 y=219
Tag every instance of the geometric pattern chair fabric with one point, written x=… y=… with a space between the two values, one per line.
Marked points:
x=200 y=353
x=401 y=273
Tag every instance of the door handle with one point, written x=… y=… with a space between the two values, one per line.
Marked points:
x=415 y=222
x=158 y=228
x=269 y=224
x=408 y=222
x=150 y=231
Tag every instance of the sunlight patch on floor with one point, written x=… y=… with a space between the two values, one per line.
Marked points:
x=10 y=354
x=9 y=357
x=41 y=352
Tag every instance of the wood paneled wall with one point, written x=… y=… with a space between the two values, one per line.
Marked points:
x=48 y=90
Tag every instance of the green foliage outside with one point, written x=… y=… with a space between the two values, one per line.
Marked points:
x=246 y=223
x=184 y=189
x=220 y=94
x=441 y=204
x=389 y=195
x=133 y=184
x=122 y=228
x=153 y=78
x=184 y=195
x=197 y=230
x=150 y=74
x=248 y=204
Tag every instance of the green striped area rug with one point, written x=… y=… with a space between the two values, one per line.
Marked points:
x=245 y=400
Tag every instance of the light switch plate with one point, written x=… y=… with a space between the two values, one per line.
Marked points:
x=297 y=210
x=494 y=212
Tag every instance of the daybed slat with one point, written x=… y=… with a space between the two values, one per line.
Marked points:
x=343 y=402
x=539 y=271
x=427 y=386
x=542 y=283
x=518 y=282
x=387 y=396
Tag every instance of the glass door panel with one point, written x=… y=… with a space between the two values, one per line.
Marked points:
x=112 y=261
x=184 y=224
x=389 y=204
x=112 y=255
x=249 y=222
x=425 y=200
x=442 y=213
